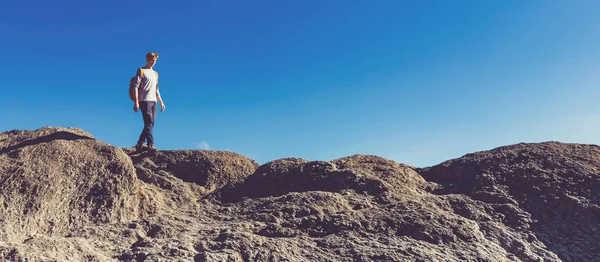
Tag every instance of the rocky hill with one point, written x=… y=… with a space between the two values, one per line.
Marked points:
x=65 y=196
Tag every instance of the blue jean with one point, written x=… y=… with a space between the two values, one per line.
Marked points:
x=148 y=109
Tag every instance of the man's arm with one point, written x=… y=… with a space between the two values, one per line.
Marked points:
x=162 y=105
x=136 y=103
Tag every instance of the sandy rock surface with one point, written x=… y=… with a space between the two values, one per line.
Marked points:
x=68 y=197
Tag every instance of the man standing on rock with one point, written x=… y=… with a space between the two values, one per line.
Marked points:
x=146 y=95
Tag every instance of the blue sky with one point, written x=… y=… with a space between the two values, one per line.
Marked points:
x=418 y=82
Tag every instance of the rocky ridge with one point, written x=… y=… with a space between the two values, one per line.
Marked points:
x=66 y=196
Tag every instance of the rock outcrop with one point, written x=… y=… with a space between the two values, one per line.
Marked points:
x=54 y=179
x=550 y=189
x=361 y=174
x=68 y=197
x=172 y=179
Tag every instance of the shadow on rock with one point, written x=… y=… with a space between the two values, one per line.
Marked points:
x=60 y=135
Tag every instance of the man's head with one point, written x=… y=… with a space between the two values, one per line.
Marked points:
x=151 y=59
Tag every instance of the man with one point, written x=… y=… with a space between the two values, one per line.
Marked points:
x=146 y=95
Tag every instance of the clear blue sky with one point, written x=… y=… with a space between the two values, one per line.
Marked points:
x=418 y=82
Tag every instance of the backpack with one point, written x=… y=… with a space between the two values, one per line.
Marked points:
x=132 y=86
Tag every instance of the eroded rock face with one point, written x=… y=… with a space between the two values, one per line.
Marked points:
x=68 y=197
x=359 y=208
x=362 y=174
x=175 y=178
x=56 y=179
x=549 y=188
x=206 y=168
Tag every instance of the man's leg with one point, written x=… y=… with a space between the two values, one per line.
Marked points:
x=144 y=108
x=155 y=106
x=151 y=117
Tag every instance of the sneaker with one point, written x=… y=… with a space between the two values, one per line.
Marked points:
x=139 y=147
x=152 y=147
